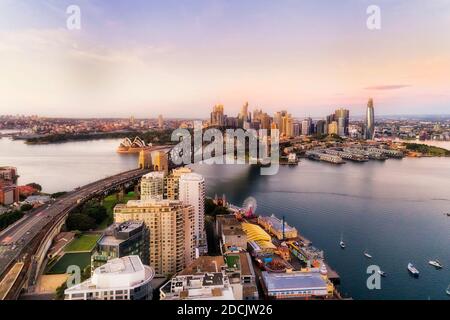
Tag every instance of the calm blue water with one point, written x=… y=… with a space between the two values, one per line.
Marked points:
x=393 y=209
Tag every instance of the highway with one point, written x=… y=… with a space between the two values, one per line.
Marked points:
x=16 y=240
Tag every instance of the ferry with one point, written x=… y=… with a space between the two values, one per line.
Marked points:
x=382 y=273
x=367 y=255
x=436 y=263
x=413 y=270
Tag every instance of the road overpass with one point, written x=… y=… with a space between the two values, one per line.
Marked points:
x=27 y=241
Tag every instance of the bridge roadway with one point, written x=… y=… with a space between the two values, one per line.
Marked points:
x=18 y=241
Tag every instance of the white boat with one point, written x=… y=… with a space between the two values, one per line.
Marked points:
x=342 y=243
x=382 y=273
x=413 y=270
x=367 y=255
x=448 y=290
x=436 y=263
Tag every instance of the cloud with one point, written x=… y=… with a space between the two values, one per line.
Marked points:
x=388 y=87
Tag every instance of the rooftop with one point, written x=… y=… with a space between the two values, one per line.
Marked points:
x=293 y=281
x=125 y=272
x=204 y=264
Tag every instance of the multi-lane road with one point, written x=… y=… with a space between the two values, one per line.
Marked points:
x=15 y=239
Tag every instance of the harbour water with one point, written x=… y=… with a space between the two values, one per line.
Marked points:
x=392 y=209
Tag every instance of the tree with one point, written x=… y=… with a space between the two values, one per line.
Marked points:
x=209 y=206
x=36 y=186
x=9 y=218
x=96 y=212
x=80 y=221
x=26 y=207
x=58 y=194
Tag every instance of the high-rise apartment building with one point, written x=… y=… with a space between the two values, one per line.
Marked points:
x=171 y=231
x=152 y=186
x=171 y=186
x=119 y=240
x=192 y=192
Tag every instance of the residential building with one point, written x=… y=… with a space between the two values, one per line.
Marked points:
x=171 y=231
x=9 y=193
x=171 y=186
x=192 y=192
x=152 y=186
x=204 y=279
x=231 y=235
x=240 y=272
x=129 y=238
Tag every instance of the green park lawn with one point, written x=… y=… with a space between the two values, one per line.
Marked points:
x=85 y=243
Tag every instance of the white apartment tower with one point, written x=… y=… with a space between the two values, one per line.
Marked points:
x=192 y=192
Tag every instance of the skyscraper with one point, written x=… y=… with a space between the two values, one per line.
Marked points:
x=160 y=121
x=370 y=121
x=306 y=126
x=243 y=115
x=342 y=116
x=217 y=116
x=287 y=126
x=192 y=192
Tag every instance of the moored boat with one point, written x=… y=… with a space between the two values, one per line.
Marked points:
x=342 y=243
x=413 y=270
x=436 y=264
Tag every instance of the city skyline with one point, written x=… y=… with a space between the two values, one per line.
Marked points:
x=183 y=58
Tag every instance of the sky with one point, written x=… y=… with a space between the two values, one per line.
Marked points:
x=180 y=57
